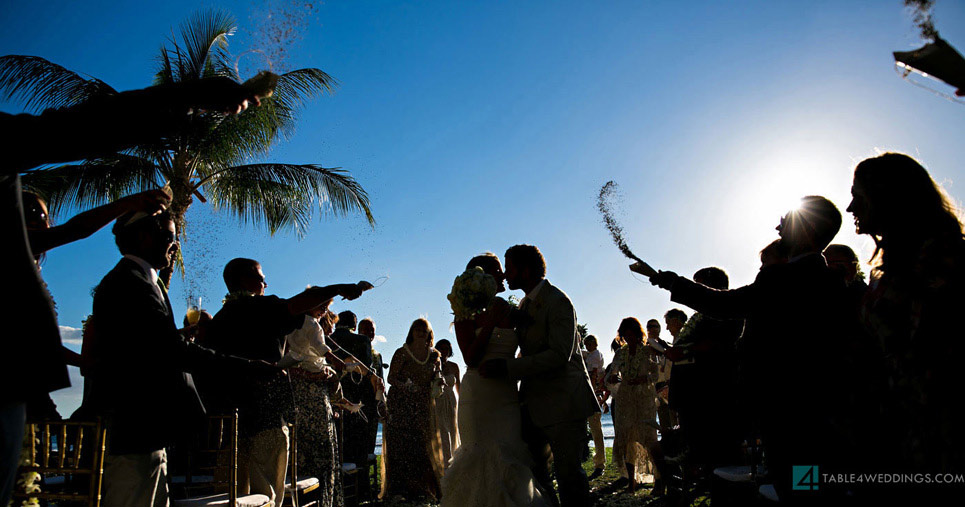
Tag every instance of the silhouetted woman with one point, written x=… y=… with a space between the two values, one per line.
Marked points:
x=411 y=452
x=634 y=425
x=446 y=404
x=913 y=308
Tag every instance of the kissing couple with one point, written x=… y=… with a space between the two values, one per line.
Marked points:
x=509 y=437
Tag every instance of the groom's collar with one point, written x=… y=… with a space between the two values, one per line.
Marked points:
x=145 y=267
x=531 y=295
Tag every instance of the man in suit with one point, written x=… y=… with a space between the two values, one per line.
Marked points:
x=141 y=385
x=371 y=400
x=355 y=429
x=106 y=123
x=798 y=311
x=555 y=390
x=254 y=325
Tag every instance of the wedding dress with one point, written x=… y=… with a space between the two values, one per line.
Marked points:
x=492 y=466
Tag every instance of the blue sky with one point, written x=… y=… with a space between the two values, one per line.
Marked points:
x=476 y=126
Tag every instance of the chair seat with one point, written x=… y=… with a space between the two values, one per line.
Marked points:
x=767 y=491
x=54 y=480
x=222 y=500
x=303 y=485
x=348 y=468
x=735 y=473
x=195 y=479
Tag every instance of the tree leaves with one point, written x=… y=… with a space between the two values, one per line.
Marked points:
x=40 y=84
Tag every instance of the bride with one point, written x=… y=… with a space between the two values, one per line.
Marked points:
x=492 y=466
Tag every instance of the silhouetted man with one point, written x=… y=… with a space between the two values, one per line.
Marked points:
x=103 y=124
x=355 y=389
x=253 y=325
x=799 y=308
x=555 y=389
x=703 y=382
x=140 y=384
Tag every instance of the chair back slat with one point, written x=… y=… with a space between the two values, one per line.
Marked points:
x=62 y=446
x=70 y=468
x=209 y=465
x=46 y=444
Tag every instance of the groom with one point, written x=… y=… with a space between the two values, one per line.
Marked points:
x=555 y=391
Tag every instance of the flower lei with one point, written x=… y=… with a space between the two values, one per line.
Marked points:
x=28 y=482
x=688 y=329
x=236 y=296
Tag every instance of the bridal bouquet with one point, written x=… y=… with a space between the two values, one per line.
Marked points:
x=471 y=293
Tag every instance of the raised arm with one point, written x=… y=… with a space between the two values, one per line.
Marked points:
x=110 y=123
x=720 y=304
x=312 y=297
x=89 y=222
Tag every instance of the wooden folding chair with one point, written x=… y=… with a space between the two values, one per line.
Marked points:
x=69 y=456
x=204 y=473
x=299 y=491
x=349 y=471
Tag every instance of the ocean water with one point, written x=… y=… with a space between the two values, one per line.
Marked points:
x=606 y=421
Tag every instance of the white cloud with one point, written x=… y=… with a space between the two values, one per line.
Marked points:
x=71 y=335
x=381 y=339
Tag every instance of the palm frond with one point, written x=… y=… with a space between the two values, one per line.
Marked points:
x=284 y=196
x=251 y=134
x=205 y=37
x=41 y=84
x=298 y=86
x=165 y=72
x=92 y=183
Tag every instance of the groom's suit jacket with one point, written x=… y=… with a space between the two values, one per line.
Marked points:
x=555 y=386
x=141 y=382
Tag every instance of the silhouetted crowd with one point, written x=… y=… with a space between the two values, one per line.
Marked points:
x=806 y=368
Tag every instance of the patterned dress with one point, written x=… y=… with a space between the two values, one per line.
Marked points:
x=446 y=417
x=315 y=427
x=915 y=316
x=411 y=450
x=635 y=423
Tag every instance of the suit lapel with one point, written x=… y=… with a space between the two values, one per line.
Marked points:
x=530 y=342
x=167 y=301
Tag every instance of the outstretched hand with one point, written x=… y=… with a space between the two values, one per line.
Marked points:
x=494 y=368
x=220 y=94
x=151 y=201
x=664 y=279
x=643 y=268
x=377 y=384
x=351 y=291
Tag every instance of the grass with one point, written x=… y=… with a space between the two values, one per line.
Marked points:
x=602 y=492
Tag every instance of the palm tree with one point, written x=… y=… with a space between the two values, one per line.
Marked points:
x=211 y=155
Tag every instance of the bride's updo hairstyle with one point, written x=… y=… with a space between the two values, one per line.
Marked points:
x=421 y=322
x=488 y=261
x=631 y=330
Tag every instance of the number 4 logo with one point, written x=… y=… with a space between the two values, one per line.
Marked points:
x=804 y=478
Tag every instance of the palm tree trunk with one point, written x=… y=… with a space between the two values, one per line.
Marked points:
x=180 y=202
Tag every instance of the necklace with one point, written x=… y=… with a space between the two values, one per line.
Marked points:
x=407 y=349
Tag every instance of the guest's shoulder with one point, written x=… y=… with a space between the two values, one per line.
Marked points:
x=123 y=273
x=551 y=294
